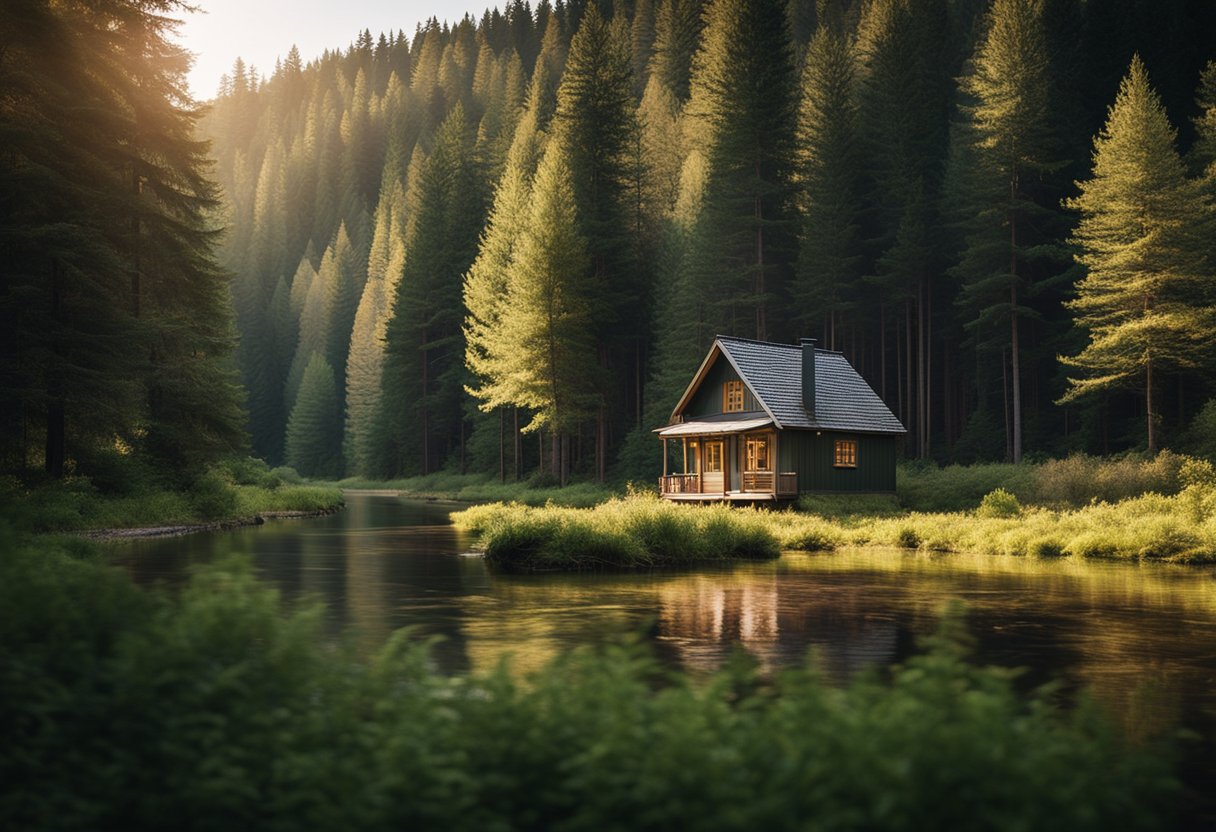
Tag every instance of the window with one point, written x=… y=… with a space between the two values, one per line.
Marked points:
x=713 y=457
x=732 y=396
x=846 y=453
x=693 y=458
x=759 y=457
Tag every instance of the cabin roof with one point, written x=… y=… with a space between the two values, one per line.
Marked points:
x=773 y=372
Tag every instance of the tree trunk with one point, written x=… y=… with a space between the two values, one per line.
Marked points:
x=518 y=443
x=1148 y=399
x=502 y=445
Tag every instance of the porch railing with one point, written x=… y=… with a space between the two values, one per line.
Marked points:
x=680 y=484
x=758 y=481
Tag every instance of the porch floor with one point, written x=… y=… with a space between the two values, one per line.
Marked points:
x=732 y=496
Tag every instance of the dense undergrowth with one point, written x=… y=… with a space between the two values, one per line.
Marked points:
x=123 y=708
x=229 y=490
x=641 y=530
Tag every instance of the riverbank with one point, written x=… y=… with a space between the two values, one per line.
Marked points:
x=227 y=496
x=644 y=531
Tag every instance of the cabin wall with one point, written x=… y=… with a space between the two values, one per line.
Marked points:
x=707 y=401
x=811 y=455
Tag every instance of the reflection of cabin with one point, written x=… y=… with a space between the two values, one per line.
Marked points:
x=764 y=421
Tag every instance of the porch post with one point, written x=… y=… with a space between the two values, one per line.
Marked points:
x=684 y=442
x=664 y=456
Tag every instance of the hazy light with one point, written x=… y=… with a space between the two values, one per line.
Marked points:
x=260 y=31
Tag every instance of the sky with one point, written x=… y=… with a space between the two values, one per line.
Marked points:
x=262 y=30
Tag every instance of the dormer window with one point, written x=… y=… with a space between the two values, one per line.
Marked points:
x=732 y=397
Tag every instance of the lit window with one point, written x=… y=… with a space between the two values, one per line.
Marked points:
x=758 y=458
x=732 y=396
x=713 y=457
x=694 y=458
x=846 y=453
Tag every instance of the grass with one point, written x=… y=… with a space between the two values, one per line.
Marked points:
x=644 y=531
x=229 y=491
x=634 y=532
x=220 y=707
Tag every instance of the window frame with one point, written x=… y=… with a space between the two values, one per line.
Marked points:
x=732 y=394
x=720 y=446
x=751 y=447
x=844 y=453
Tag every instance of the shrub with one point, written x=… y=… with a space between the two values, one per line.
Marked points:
x=907 y=538
x=213 y=497
x=999 y=503
x=218 y=708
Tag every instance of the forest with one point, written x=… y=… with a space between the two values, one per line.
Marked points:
x=504 y=244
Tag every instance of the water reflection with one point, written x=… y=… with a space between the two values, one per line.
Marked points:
x=1142 y=638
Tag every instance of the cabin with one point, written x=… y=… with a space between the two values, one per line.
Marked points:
x=763 y=421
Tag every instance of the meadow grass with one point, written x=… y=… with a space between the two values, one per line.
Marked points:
x=218 y=708
x=643 y=531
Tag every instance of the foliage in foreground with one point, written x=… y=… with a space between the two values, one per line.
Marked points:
x=120 y=708
x=230 y=490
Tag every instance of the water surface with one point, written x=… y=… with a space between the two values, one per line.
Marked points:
x=1141 y=638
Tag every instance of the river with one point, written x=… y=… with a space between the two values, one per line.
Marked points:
x=1140 y=638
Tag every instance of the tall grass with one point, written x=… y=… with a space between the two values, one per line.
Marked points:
x=1057 y=483
x=217 y=710
x=637 y=531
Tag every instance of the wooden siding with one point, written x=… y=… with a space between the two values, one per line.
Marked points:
x=707 y=401
x=810 y=453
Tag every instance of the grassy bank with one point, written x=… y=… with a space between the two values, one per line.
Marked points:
x=229 y=491
x=484 y=488
x=642 y=530
x=639 y=531
x=218 y=709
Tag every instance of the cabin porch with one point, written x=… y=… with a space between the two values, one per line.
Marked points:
x=731 y=461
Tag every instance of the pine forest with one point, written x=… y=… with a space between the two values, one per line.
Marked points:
x=503 y=244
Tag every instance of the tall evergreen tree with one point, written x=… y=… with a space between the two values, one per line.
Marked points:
x=314 y=431
x=1014 y=228
x=830 y=262
x=744 y=93
x=1147 y=300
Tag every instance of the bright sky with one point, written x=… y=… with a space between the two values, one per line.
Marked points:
x=261 y=30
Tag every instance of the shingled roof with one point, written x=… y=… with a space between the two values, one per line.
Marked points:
x=773 y=372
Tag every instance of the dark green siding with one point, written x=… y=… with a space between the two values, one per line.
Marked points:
x=810 y=454
x=707 y=401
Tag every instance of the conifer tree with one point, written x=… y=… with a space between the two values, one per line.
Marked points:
x=1013 y=227
x=830 y=259
x=314 y=431
x=1147 y=300
x=544 y=358
x=744 y=96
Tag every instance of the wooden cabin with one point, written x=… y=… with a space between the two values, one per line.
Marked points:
x=763 y=421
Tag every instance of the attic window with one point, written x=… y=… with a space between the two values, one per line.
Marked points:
x=732 y=397
x=845 y=455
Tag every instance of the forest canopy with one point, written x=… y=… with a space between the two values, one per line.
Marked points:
x=503 y=244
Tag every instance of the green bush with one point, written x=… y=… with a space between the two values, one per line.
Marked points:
x=999 y=503
x=124 y=709
x=213 y=497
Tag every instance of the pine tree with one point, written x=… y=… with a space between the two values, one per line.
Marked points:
x=1147 y=300
x=830 y=259
x=744 y=96
x=314 y=431
x=1013 y=226
x=544 y=357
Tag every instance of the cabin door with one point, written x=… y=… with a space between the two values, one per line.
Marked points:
x=714 y=470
